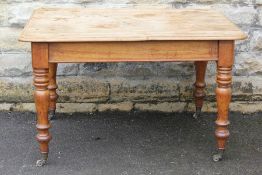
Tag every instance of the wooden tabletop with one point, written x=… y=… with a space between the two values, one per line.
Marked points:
x=80 y=25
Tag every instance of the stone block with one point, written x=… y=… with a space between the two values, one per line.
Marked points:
x=243 y=89
x=16 y=90
x=138 y=71
x=122 y=106
x=246 y=107
x=19 y=13
x=247 y=88
x=82 y=89
x=175 y=70
x=161 y=107
x=70 y=90
x=259 y=21
x=9 y=40
x=144 y=90
x=76 y=107
x=13 y=64
x=248 y=64
x=256 y=42
x=244 y=45
x=3 y=14
x=67 y=69
x=98 y=69
x=240 y=106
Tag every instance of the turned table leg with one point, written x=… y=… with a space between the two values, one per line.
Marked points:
x=223 y=94
x=41 y=96
x=52 y=90
x=199 y=92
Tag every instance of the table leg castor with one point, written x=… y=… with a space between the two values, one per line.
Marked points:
x=218 y=156
x=197 y=113
x=51 y=115
x=43 y=160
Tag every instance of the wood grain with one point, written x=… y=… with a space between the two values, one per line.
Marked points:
x=41 y=94
x=39 y=55
x=83 y=25
x=133 y=51
x=224 y=91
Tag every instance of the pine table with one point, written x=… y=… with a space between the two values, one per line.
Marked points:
x=130 y=35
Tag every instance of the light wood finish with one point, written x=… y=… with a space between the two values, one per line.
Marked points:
x=41 y=94
x=133 y=51
x=199 y=93
x=40 y=55
x=83 y=25
x=130 y=35
x=52 y=88
x=223 y=91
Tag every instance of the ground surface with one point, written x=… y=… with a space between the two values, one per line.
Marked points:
x=130 y=144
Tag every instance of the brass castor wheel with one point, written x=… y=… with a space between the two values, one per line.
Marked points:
x=219 y=156
x=197 y=113
x=41 y=162
x=51 y=115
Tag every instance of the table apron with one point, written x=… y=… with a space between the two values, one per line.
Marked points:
x=135 y=51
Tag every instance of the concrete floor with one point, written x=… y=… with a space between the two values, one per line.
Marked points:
x=130 y=144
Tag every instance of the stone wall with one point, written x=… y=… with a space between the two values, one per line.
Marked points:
x=127 y=86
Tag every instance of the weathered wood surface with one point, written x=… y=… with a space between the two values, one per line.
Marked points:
x=82 y=25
